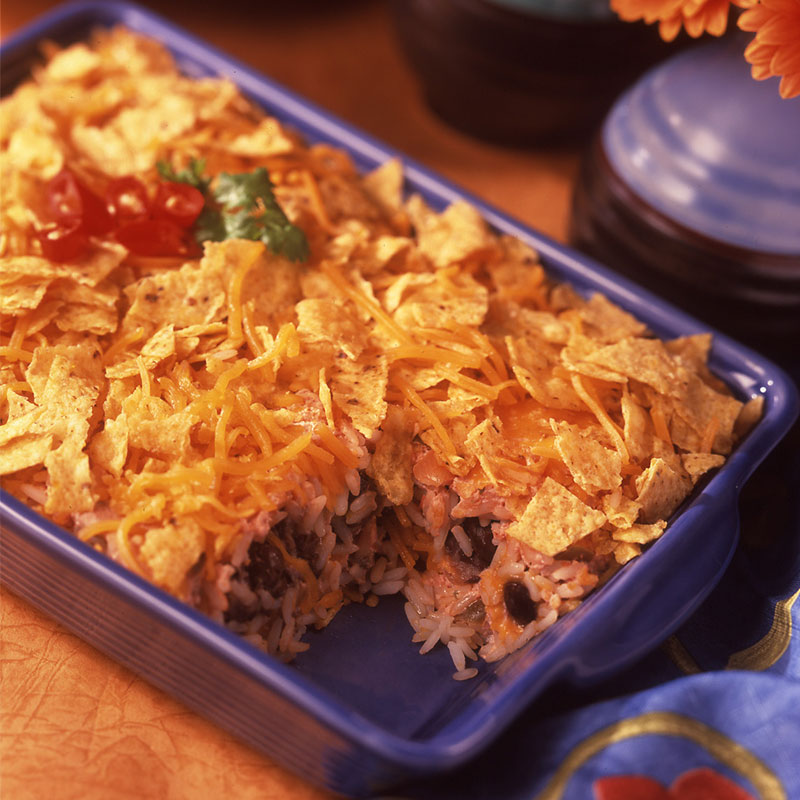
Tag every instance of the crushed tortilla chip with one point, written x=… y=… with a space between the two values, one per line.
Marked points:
x=169 y=552
x=554 y=519
x=640 y=534
x=697 y=464
x=359 y=389
x=456 y=234
x=391 y=462
x=644 y=360
x=321 y=320
x=661 y=488
x=593 y=466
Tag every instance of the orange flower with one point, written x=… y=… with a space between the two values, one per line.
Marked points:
x=697 y=16
x=775 y=49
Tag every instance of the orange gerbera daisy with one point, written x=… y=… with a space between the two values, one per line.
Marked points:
x=775 y=49
x=697 y=16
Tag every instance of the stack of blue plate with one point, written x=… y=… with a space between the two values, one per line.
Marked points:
x=692 y=188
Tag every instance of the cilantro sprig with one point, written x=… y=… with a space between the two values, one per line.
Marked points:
x=240 y=206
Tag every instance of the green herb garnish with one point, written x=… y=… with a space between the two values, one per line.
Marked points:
x=241 y=206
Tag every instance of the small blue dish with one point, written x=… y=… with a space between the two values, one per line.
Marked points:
x=362 y=710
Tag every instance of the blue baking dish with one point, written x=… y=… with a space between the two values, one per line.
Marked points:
x=362 y=710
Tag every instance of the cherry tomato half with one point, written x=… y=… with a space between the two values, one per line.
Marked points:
x=63 y=242
x=154 y=237
x=127 y=200
x=64 y=197
x=71 y=201
x=178 y=202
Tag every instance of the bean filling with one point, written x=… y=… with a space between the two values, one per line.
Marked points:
x=519 y=604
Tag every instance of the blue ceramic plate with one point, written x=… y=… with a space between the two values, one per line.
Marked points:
x=362 y=710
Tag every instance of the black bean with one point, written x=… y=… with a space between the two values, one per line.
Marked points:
x=469 y=568
x=480 y=538
x=475 y=612
x=266 y=569
x=519 y=603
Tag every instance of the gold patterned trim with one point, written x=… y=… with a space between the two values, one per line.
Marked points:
x=680 y=656
x=765 y=652
x=667 y=723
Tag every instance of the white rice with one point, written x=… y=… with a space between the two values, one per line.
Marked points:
x=463 y=540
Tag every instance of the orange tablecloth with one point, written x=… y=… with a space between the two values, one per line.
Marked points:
x=75 y=724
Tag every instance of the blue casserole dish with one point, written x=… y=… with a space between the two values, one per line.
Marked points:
x=362 y=710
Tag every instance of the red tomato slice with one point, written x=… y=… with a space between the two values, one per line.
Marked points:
x=178 y=203
x=71 y=201
x=64 y=197
x=629 y=787
x=154 y=237
x=127 y=200
x=63 y=242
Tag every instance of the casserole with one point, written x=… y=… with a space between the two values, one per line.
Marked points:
x=351 y=717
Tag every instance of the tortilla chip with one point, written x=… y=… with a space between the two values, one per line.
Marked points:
x=574 y=358
x=159 y=347
x=359 y=389
x=93 y=310
x=384 y=185
x=637 y=428
x=620 y=510
x=452 y=236
x=639 y=534
x=626 y=551
x=133 y=141
x=154 y=427
x=20 y=298
x=691 y=350
x=375 y=256
x=36 y=150
x=267 y=139
x=423 y=378
x=526 y=323
x=749 y=415
x=75 y=63
x=169 y=552
x=699 y=407
x=554 y=519
x=458 y=299
x=608 y=323
x=194 y=294
x=17 y=404
x=458 y=402
x=108 y=448
x=33 y=421
x=88 y=270
x=69 y=479
x=24 y=451
x=593 y=466
x=697 y=464
x=393 y=296
x=271 y=288
x=391 y=462
x=644 y=360
x=321 y=320
x=661 y=489
x=66 y=381
x=343 y=198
